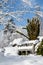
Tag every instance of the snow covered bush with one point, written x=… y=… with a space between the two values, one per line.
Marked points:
x=40 y=49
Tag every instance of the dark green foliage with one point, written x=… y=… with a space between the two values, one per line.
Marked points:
x=40 y=49
x=33 y=28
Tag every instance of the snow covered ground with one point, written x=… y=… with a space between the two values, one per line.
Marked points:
x=12 y=59
x=10 y=51
x=8 y=56
x=21 y=60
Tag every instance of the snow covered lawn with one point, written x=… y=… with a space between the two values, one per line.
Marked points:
x=21 y=60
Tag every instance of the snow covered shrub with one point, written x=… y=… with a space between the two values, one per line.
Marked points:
x=40 y=49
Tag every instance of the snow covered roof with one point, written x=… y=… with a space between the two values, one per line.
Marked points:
x=40 y=36
x=31 y=41
x=20 y=41
x=16 y=41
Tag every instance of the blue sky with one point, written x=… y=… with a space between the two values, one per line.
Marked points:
x=21 y=5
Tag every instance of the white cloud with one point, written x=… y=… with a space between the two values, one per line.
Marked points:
x=27 y=2
x=39 y=13
x=30 y=3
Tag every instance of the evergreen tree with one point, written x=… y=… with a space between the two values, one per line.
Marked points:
x=33 y=28
x=40 y=49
